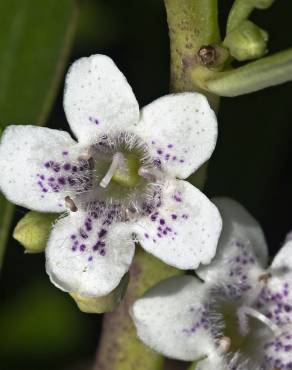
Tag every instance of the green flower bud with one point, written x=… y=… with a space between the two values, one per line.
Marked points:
x=32 y=231
x=261 y=4
x=103 y=304
x=247 y=41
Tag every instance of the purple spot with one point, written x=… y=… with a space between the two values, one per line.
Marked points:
x=94 y=120
x=56 y=167
x=174 y=217
x=160 y=151
x=49 y=164
x=146 y=235
x=67 y=166
x=162 y=221
x=157 y=162
x=170 y=146
x=90 y=258
x=102 y=233
x=102 y=252
x=62 y=180
x=65 y=152
x=82 y=247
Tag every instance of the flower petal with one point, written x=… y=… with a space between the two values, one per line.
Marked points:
x=275 y=299
x=181 y=131
x=278 y=350
x=184 y=230
x=171 y=319
x=283 y=259
x=29 y=157
x=242 y=248
x=98 y=98
x=88 y=254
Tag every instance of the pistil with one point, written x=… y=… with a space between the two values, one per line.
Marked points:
x=117 y=162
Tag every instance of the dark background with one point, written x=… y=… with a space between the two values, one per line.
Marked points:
x=39 y=325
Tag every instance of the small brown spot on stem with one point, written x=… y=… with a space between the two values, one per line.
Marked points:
x=208 y=55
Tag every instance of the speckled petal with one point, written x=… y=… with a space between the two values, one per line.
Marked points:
x=181 y=131
x=98 y=98
x=184 y=230
x=32 y=163
x=282 y=263
x=88 y=254
x=172 y=319
x=242 y=249
x=275 y=299
x=278 y=351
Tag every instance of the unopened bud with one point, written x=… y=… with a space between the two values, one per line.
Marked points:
x=103 y=304
x=33 y=230
x=247 y=41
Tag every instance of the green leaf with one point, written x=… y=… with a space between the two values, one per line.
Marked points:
x=35 y=38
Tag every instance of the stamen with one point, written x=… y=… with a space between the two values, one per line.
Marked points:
x=224 y=344
x=118 y=161
x=245 y=311
x=69 y=203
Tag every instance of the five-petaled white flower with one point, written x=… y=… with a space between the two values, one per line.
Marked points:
x=120 y=183
x=240 y=318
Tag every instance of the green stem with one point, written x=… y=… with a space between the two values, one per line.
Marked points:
x=192 y=24
x=7 y=211
x=120 y=349
x=265 y=72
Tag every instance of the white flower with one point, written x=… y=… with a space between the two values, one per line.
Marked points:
x=239 y=318
x=120 y=183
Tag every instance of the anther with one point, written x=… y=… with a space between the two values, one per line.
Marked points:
x=69 y=203
x=265 y=277
x=224 y=344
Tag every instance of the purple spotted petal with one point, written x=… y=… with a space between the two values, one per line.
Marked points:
x=181 y=131
x=98 y=99
x=172 y=319
x=89 y=253
x=242 y=252
x=32 y=166
x=184 y=230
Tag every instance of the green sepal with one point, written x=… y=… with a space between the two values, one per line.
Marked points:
x=247 y=41
x=33 y=230
x=103 y=304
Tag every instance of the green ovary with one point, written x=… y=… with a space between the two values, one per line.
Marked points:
x=128 y=176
